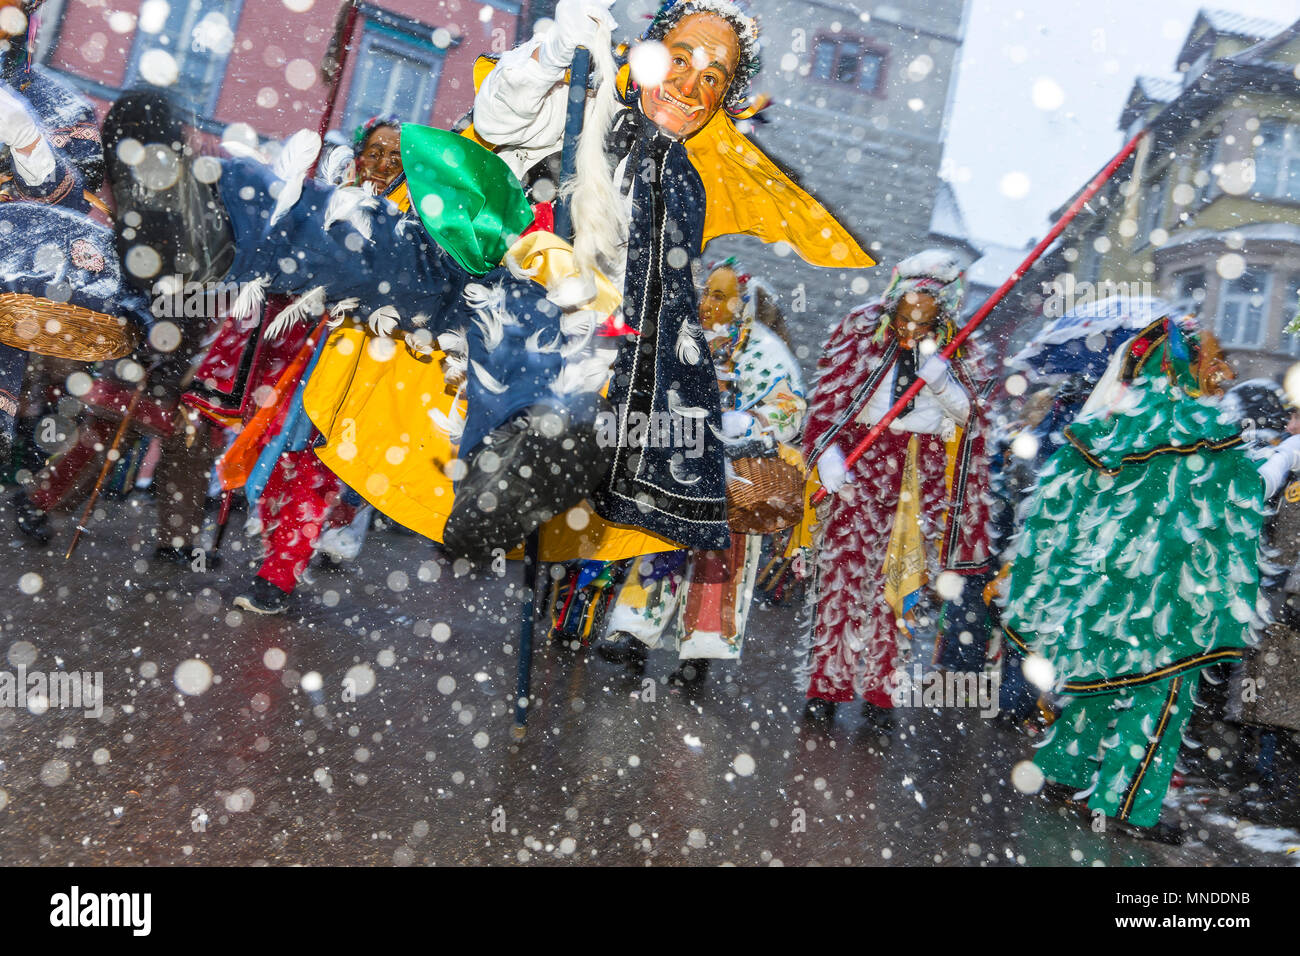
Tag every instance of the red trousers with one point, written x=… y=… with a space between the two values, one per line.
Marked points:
x=295 y=505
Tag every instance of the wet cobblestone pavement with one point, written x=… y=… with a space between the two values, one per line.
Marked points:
x=422 y=768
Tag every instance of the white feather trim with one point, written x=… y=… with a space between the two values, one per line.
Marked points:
x=290 y=167
x=453 y=342
x=420 y=341
x=688 y=349
x=600 y=216
x=353 y=204
x=344 y=307
x=384 y=320
x=587 y=375
x=453 y=425
x=486 y=380
x=489 y=303
x=310 y=303
x=685 y=411
x=534 y=344
x=252 y=295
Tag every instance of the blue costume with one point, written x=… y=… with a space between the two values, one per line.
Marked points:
x=62 y=254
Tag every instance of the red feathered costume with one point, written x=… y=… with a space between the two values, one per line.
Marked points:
x=856 y=634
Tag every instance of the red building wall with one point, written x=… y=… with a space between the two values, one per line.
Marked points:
x=272 y=77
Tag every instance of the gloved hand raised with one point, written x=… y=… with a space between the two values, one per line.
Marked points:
x=736 y=424
x=17 y=128
x=577 y=23
x=1291 y=449
x=934 y=371
x=832 y=470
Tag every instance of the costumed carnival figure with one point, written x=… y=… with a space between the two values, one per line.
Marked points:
x=916 y=504
x=708 y=594
x=300 y=503
x=1137 y=567
x=526 y=448
x=1264 y=689
x=62 y=292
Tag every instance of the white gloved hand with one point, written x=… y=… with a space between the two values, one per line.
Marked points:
x=576 y=24
x=832 y=470
x=1290 y=448
x=934 y=372
x=17 y=128
x=383 y=320
x=736 y=424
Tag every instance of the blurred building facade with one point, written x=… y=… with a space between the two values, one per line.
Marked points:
x=1207 y=213
x=260 y=61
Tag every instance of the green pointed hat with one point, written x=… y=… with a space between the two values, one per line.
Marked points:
x=468 y=199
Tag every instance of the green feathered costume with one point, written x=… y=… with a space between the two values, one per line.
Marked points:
x=1137 y=566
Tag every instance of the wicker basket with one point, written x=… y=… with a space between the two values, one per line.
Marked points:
x=765 y=496
x=62 y=330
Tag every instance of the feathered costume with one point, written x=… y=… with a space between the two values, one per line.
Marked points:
x=858 y=639
x=1136 y=567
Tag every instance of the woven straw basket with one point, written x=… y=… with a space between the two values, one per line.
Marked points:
x=765 y=496
x=62 y=330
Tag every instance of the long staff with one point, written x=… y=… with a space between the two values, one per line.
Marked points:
x=1075 y=207
x=579 y=78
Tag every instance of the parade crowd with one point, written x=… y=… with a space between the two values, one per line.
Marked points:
x=446 y=329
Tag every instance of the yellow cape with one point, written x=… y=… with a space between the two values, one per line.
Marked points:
x=376 y=400
x=746 y=193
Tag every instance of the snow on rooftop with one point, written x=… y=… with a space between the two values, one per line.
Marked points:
x=1160 y=89
x=946 y=218
x=1239 y=24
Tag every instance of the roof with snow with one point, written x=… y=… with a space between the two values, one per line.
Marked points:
x=992 y=268
x=946 y=218
x=1257 y=231
x=1227 y=23
x=1159 y=89
x=1240 y=25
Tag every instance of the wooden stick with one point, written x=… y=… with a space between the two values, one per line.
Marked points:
x=109 y=461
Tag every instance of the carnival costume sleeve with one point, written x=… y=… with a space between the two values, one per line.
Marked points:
x=68 y=158
x=520 y=107
x=946 y=389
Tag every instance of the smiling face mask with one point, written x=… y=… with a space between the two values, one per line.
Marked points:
x=703 y=51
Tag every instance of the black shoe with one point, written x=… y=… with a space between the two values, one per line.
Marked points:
x=168 y=555
x=690 y=673
x=626 y=650
x=882 y=718
x=264 y=598
x=32 y=522
x=160 y=203
x=1160 y=833
x=537 y=465
x=818 y=711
